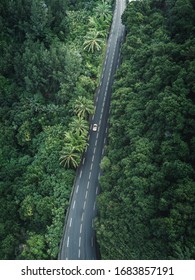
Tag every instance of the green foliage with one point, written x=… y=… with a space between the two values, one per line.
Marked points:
x=146 y=208
x=47 y=84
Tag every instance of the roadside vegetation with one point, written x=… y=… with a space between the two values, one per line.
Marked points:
x=147 y=203
x=50 y=53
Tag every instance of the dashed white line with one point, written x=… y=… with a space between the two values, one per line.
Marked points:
x=70 y=222
x=91 y=166
x=79 y=254
x=67 y=242
x=89 y=175
x=77 y=189
x=81 y=227
x=84 y=205
x=74 y=204
x=82 y=217
x=86 y=194
x=93 y=158
x=94 y=206
x=80 y=241
x=83 y=160
x=81 y=173
x=95 y=143
x=87 y=184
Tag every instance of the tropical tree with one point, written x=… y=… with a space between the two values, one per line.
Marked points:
x=103 y=10
x=75 y=141
x=83 y=107
x=99 y=25
x=93 y=41
x=70 y=157
x=79 y=125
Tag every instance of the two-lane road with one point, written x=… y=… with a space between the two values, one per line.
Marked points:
x=78 y=241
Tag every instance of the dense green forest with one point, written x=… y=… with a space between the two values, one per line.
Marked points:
x=147 y=203
x=51 y=56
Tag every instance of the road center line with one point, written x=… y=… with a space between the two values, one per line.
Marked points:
x=77 y=189
x=84 y=205
x=79 y=254
x=74 y=204
x=91 y=166
x=86 y=194
x=79 y=241
x=89 y=175
x=81 y=227
x=68 y=242
x=87 y=184
x=81 y=173
x=82 y=217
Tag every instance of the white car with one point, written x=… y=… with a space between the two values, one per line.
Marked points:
x=95 y=127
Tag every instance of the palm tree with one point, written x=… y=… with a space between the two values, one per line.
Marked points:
x=103 y=10
x=83 y=107
x=69 y=157
x=98 y=25
x=75 y=141
x=79 y=125
x=93 y=41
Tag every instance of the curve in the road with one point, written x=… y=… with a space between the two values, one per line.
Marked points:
x=78 y=241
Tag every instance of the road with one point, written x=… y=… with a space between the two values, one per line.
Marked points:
x=78 y=242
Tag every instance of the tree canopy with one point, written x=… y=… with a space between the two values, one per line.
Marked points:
x=147 y=203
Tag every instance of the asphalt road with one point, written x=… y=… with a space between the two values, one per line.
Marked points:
x=78 y=241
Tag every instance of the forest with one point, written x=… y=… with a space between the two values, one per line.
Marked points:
x=51 y=57
x=147 y=200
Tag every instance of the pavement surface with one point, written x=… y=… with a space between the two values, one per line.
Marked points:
x=79 y=241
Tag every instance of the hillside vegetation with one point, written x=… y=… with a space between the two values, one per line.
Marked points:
x=147 y=203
